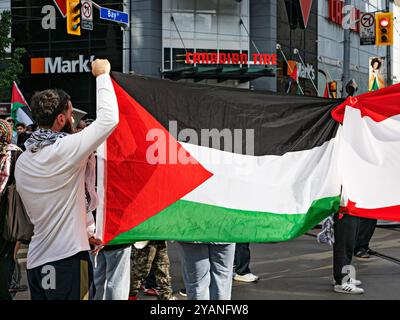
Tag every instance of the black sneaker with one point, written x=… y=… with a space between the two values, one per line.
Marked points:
x=183 y=293
x=363 y=254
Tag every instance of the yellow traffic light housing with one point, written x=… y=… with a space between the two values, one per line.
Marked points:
x=384 y=28
x=74 y=17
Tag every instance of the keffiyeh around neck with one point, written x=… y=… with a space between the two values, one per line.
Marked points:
x=42 y=138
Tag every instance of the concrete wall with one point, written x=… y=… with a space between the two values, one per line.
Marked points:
x=146 y=37
x=263 y=32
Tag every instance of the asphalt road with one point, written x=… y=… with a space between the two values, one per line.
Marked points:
x=301 y=269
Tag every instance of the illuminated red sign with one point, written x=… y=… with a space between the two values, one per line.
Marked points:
x=336 y=14
x=230 y=58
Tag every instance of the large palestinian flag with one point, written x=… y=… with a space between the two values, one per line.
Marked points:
x=271 y=178
x=369 y=154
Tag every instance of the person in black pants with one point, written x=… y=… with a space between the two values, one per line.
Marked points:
x=8 y=155
x=242 y=264
x=346 y=229
x=6 y=267
x=365 y=233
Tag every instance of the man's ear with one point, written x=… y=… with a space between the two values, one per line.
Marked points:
x=60 y=120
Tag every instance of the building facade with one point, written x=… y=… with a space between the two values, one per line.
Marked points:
x=330 y=44
x=57 y=60
x=162 y=33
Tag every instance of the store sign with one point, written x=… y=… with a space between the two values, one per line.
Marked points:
x=60 y=65
x=62 y=6
x=305 y=8
x=230 y=58
x=303 y=71
x=337 y=16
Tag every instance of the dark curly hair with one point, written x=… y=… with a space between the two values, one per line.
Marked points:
x=47 y=105
x=376 y=60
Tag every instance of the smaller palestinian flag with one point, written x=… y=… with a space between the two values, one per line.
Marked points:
x=168 y=171
x=20 y=110
x=370 y=154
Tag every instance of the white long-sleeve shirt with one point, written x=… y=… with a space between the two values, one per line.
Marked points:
x=51 y=183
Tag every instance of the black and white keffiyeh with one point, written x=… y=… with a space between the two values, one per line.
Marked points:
x=42 y=138
x=327 y=235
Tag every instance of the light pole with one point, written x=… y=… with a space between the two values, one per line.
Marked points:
x=346 y=53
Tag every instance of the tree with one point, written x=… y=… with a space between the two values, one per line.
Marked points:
x=10 y=66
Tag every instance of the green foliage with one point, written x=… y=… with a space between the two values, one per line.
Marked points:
x=10 y=66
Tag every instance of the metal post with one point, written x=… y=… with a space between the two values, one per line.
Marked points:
x=388 y=55
x=346 y=54
x=126 y=32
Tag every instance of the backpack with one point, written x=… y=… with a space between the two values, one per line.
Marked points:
x=17 y=225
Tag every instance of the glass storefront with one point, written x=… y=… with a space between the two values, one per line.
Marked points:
x=203 y=26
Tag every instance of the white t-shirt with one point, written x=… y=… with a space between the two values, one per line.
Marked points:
x=51 y=183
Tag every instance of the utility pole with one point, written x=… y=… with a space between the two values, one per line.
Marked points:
x=388 y=55
x=346 y=53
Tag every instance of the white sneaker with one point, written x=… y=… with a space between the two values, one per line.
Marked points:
x=351 y=281
x=249 y=277
x=348 y=288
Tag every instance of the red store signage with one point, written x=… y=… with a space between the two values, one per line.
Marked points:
x=336 y=14
x=231 y=58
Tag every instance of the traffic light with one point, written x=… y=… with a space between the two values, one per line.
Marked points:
x=74 y=17
x=333 y=88
x=384 y=28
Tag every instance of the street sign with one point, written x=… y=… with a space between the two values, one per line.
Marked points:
x=114 y=15
x=367 y=29
x=87 y=15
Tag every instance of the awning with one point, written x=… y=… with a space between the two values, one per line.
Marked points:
x=219 y=72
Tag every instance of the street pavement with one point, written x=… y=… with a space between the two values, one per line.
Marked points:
x=302 y=269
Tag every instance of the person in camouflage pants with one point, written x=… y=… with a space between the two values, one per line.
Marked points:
x=155 y=253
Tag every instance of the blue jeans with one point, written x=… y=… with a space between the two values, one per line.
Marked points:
x=208 y=270
x=112 y=274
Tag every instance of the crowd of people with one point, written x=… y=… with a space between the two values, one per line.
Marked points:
x=52 y=168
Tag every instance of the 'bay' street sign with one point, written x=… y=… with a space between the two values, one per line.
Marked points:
x=114 y=15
